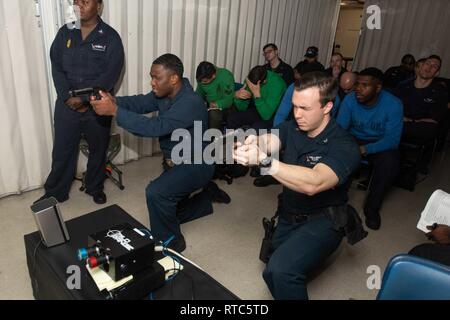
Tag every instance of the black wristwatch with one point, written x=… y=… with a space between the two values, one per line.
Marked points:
x=266 y=162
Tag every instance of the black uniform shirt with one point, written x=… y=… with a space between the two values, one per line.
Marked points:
x=427 y=103
x=285 y=71
x=95 y=62
x=335 y=148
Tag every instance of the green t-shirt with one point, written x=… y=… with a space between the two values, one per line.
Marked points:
x=271 y=94
x=220 y=91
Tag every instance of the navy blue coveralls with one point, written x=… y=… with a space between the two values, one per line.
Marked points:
x=303 y=245
x=76 y=64
x=176 y=183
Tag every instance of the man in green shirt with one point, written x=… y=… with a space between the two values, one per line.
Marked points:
x=216 y=86
x=258 y=101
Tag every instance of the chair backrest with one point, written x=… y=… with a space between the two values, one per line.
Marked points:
x=411 y=278
x=238 y=86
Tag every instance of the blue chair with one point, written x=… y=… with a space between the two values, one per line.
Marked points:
x=411 y=278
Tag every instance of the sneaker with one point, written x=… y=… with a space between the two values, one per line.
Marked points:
x=237 y=171
x=374 y=223
x=99 y=197
x=216 y=194
x=255 y=172
x=265 y=181
x=178 y=245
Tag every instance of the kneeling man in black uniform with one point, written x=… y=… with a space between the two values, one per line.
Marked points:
x=319 y=158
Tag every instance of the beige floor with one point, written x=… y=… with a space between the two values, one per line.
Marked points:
x=226 y=244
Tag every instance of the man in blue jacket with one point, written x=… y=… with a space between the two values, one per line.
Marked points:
x=375 y=118
x=179 y=107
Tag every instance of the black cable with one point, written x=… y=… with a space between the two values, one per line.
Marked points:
x=33 y=275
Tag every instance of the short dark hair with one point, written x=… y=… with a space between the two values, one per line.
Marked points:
x=421 y=60
x=303 y=68
x=374 y=73
x=171 y=62
x=205 y=70
x=270 y=45
x=436 y=57
x=408 y=59
x=258 y=73
x=327 y=85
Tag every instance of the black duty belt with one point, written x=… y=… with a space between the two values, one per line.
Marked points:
x=302 y=218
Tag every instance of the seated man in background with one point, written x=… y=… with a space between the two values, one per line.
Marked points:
x=396 y=75
x=258 y=101
x=336 y=69
x=216 y=86
x=375 y=118
x=425 y=106
x=439 y=251
x=179 y=107
x=319 y=158
x=347 y=84
x=311 y=61
x=275 y=64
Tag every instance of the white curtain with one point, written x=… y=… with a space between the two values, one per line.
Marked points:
x=407 y=26
x=25 y=117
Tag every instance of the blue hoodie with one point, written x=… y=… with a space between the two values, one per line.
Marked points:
x=381 y=125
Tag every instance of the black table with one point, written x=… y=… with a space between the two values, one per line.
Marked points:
x=48 y=267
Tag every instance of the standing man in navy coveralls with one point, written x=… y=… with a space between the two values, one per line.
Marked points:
x=179 y=107
x=90 y=57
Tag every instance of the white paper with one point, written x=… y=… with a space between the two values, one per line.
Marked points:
x=104 y=281
x=437 y=211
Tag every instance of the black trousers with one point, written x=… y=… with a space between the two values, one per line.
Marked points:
x=435 y=252
x=250 y=118
x=217 y=118
x=385 y=171
x=425 y=134
x=69 y=126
